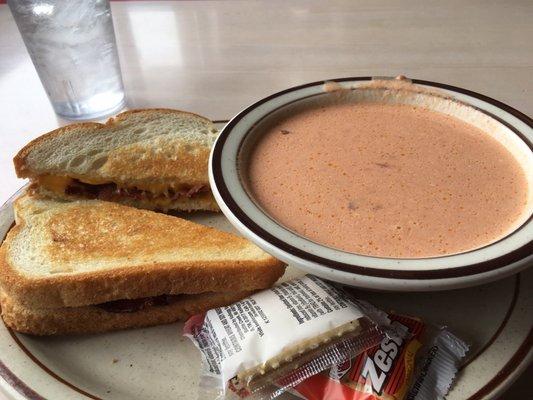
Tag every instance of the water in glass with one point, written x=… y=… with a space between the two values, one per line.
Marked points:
x=72 y=45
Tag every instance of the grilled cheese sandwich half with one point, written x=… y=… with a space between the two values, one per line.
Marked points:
x=118 y=267
x=154 y=159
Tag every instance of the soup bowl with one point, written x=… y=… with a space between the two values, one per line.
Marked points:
x=230 y=157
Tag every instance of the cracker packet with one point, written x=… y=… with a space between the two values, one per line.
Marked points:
x=419 y=365
x=275 y=339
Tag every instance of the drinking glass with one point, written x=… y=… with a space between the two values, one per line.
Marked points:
x=73 y=48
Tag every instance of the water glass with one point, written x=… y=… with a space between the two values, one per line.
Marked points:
x=72 y=45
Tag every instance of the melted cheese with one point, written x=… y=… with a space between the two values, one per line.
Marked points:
x=54 y=183
x=58 y=184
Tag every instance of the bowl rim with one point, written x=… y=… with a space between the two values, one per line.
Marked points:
x=251 y=228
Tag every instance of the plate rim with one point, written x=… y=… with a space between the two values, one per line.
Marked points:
x=512 y=369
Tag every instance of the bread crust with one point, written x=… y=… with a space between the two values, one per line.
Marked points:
x=19 y=160
x=21 y=168
x=169 y=161
x=91 y=319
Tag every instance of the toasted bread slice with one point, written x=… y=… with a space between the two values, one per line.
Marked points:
x=93 y=319
x=154 y=159
x=70 y=254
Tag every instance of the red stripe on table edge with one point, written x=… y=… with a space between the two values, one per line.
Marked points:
x=113 y=1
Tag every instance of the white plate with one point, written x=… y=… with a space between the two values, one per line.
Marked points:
x=157 y=363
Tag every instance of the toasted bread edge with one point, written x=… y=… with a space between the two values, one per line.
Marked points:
x=21 y=168
x=84 y=320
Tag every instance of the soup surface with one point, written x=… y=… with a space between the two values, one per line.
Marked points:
x=387 y=180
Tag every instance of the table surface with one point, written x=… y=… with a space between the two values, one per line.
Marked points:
x=216 y=57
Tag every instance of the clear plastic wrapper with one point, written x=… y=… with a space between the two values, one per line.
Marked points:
x=419 y=364
x=440 y=361
x=275 y=339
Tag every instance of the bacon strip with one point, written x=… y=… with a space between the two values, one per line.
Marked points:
x=111 y=192
x=134 y=305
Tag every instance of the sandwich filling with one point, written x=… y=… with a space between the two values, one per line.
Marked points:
x=110 y=191
x=134 y=305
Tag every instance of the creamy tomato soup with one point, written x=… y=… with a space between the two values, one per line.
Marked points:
x=387 y=180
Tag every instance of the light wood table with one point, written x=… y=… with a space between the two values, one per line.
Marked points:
x=214 y=58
